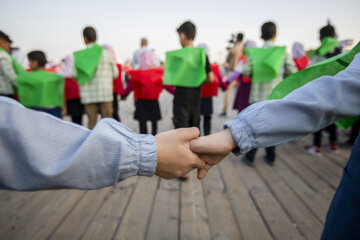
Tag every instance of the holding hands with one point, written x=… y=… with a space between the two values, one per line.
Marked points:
x=182 y=150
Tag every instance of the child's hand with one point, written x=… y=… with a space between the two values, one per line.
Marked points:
x=175 y=159
x=212 y=149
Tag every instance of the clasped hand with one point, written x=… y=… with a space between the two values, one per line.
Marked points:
x=182 y=150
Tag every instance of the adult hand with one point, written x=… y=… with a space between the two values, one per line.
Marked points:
x=212 y=149
x=175 y=159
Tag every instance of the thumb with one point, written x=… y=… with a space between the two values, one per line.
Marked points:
x=199 y=145
x=188 y=134
x=202 y=172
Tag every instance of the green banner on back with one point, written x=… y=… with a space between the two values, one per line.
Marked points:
x=185 y=67
x=328 y=67
x=267 y=62
x=86 y=62
x=40 y=89
x=328 y=44
x=16 y=65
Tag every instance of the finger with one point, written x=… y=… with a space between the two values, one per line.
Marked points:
x=199 y=145
x=197 y=162
x=202 y=172
x=188 y=134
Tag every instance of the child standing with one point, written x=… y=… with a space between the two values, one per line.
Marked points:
x=146 y=82
x=208 y=91
x=187 y=69
x=39 y=89
x=266 y=67
x=329 y=47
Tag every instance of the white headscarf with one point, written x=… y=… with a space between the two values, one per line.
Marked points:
x=250 y=43
x=298 y=50
x=204 y=46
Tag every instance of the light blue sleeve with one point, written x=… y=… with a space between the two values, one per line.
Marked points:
x=305 y=110
x=39 y=151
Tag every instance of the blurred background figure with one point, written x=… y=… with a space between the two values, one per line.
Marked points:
x=300 y=58
x=72 y=91
x=233 y=57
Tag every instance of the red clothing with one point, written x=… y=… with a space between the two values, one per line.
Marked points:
x=211 y=89
x=147 y=84
x=117 y=84
x=72 y=90
x=302 y=63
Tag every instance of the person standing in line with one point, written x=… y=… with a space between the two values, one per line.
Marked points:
x=95 y=71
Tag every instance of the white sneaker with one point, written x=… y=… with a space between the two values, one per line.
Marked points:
x=313 y=150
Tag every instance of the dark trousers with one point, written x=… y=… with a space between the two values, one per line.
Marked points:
x=56 y=112
x=332 y=135
x=343 y=217
x=207 y=125
x=9 y=96
x=186 y=115
x=270 y=154
x=354 y=132
x=144 y=130
x=116 y=115
x=76 y=119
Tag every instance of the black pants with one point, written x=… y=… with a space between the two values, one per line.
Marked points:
x=76 y=119
x=270 y=154
x=207 y=125
x=332 y=135
x=144 y=130
x=116 y=108
x=354 y=132
x=186 y=115
x=9 y=96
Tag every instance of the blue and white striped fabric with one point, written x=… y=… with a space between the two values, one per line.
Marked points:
x=39 y=151
x=306 y=110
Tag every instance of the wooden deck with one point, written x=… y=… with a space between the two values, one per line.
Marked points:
x=286 y=201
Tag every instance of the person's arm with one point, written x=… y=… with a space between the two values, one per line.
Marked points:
x=247 y=69
x=39 y=151
x=289 y=66
x=115 y=70
x=7 y=69
x=269 y=123
x=236 y=73
x=209 y=73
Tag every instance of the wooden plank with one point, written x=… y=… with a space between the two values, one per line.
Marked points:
x=250 y=222
x=50 y=215
x=165 y=216
x=222 y=221
x=14 y=223
x=309 y=225
x=315 y=201
x=137 y=215
x=194 y=218
x=327 y=171
x=104 y=224
x=46 y=228
x=306 y=175
x=278 y=222
x=13 y=202
x=76 y=223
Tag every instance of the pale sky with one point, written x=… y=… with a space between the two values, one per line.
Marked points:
x=56 y=26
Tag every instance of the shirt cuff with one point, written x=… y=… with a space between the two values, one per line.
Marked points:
x=142 y=157
x=241 y=133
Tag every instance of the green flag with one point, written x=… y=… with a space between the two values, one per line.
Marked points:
x=40 y=89
x=329 y=67
x=86 y=62
x=185 y=67
x=267 y=62
x=328 y=44
x=16 y=65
